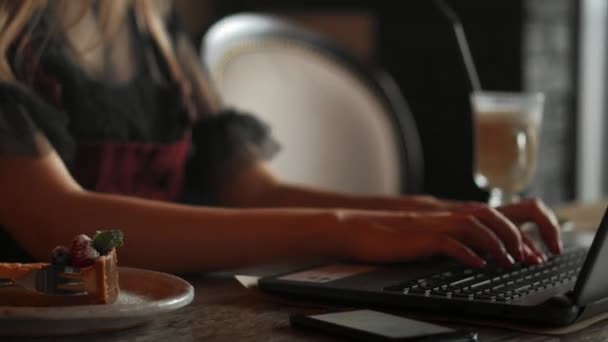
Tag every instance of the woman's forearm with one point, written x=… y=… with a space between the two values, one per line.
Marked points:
x=257 y=186
x=288 y=195
x=180 y=238
x=43 y=206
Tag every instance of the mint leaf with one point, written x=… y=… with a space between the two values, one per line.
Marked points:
x=105 y=240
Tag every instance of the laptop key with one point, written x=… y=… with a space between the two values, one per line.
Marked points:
x=520 y=280
x=480 y=284
x=497 y=287
x=464 y=296
x=462 y=281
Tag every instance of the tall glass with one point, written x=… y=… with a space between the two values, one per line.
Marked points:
x=507 y=128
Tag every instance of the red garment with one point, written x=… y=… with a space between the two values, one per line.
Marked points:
x=148 y=170
x=143 y=169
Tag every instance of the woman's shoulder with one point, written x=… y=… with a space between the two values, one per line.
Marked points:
x=17 y=99
x=28 y=123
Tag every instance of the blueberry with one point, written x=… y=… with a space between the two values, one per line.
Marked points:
x=61 y=256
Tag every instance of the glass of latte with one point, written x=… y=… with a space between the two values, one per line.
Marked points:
x=507 y=128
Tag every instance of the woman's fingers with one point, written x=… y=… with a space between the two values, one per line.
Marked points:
x=508 y=233
x=533 y=254
x=394 y=237
x=424 y=244
x=372 y=241
x=474 y=233
x=536 y=211
x=532 y=257
x=460 y=226
x=450 y=247
x=502 y=226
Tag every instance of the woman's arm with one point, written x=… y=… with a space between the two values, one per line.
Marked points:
x=530 y=210
x=43 y=207
x=258 y=187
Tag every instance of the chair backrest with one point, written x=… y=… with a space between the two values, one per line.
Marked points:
x=341 y=125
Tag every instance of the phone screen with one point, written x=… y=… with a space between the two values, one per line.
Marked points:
x=378 y=326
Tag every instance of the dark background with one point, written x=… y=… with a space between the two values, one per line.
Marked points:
x=415 y=43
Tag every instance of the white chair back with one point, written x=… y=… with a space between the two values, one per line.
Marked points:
x=336 y=127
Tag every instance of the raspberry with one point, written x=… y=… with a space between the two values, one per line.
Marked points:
x=61 y=256
x=83 y=253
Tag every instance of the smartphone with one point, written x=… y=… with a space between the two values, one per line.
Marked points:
x=369 y=325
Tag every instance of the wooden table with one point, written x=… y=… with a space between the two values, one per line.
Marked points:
x=224 y=310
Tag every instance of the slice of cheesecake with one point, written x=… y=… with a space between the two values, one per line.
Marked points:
x=99 y=280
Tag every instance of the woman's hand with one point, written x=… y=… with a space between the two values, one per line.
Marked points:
x=374 y=236
x=534 y=210
x=528 y=210
x=467 y=231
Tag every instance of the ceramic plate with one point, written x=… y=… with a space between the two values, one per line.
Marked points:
x=143 y=296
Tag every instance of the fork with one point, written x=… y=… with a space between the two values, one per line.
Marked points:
x=49 y=280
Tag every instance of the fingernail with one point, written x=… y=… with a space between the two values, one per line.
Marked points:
x=507 y=261
x=480 y=263
x=538 y=260
x=557 y=247
x=510 y=258
x=521 y=256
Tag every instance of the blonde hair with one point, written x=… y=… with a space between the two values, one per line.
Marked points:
x=14 y=16
x=17 y=16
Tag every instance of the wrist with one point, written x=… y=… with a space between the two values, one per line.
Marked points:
x=423 y=203
x=334 y=232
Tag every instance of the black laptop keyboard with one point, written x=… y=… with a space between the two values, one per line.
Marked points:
x=494 y=284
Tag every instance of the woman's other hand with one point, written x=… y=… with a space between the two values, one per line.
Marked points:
x=534 y=210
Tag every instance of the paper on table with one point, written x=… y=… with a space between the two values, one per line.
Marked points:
x=247 y=281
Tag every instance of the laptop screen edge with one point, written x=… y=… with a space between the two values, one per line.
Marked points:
x=590 y=285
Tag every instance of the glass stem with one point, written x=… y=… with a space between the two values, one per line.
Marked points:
x=499 y=198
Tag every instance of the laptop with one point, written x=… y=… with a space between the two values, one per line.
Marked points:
x=567 y=288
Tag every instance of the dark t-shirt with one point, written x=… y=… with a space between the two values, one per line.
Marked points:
x=136 y=138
